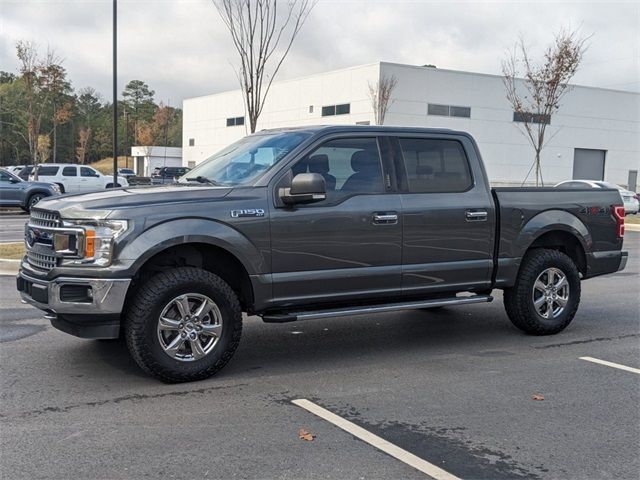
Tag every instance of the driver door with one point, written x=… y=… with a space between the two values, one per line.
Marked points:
x=347 y=246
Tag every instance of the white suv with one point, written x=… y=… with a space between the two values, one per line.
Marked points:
x=76 y=178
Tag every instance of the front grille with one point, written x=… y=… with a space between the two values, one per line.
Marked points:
x=44 y=218
x=40 y=253
x=41 y=261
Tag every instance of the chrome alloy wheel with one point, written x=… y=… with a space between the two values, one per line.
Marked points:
x=189 y=327
x=551 y=293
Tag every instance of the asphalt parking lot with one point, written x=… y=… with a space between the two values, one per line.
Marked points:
x=453 y=388
x=12 y=227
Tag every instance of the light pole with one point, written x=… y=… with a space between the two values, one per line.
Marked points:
x=115 y=93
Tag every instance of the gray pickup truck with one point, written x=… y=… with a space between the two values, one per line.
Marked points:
x=307 y=223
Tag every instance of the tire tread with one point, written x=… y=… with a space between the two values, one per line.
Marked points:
x=516 y=298
x=146 y=300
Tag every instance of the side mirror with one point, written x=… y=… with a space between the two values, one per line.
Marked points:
x=305 y=188
x=14 y=180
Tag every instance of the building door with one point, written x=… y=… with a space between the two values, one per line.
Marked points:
x=588 y=164
x=632 y=183
x=140 y=167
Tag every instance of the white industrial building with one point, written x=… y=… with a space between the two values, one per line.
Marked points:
x=147 y=158
x=595 y=134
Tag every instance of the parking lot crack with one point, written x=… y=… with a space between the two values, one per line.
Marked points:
x=588 y=340
x=134 y=397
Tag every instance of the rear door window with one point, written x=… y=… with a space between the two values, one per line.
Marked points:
x=435 y=165
x=70 y=172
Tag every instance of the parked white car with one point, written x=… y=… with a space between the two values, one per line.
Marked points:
x=76 y=178
x=629 y=198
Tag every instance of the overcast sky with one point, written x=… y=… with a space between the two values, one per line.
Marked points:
x=182 y=49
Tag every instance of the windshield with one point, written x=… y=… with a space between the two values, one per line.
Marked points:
x=243 y=161
x=607 y=185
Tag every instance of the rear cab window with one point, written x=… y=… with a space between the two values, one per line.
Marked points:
x=435 y=165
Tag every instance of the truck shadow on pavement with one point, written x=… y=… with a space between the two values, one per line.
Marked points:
x=339 y=342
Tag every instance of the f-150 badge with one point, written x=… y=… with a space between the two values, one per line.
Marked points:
x=247 y=212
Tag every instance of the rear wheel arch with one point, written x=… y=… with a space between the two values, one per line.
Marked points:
x=565 y=242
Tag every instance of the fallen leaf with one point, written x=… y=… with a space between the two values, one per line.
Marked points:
x=538 y=397
x=304 y=435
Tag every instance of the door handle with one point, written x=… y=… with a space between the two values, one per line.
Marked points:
x=385 y=218
x=476 y=215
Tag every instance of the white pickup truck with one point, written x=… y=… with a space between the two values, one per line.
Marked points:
x=74 y=178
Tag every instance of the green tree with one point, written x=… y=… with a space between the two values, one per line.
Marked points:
x=138 y=100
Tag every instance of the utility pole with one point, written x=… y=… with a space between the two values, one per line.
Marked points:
x=115 y=93
x=126 y=137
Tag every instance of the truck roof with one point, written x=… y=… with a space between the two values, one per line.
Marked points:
x=315 y=129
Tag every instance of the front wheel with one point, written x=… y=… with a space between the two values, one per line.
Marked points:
x=183 y=325
x=34 y=199
x=546 y=294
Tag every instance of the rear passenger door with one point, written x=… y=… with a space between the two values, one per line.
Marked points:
x=447 y=215
x=346 y=247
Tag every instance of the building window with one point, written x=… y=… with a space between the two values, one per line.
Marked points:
x=235 y=121
x=529 y=117
x=342 y=109
x=460 y=111
x=192 y=142
x=448 y=110
x=310 y=108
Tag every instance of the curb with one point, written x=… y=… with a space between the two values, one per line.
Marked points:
x=632 y=227
x=9 y=267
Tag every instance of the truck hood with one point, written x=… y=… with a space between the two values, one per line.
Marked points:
x=98 y=204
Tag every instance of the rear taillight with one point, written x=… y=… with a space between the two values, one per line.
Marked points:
x=618 y=213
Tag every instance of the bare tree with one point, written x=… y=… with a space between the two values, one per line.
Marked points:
x=40 y=78
x=380 y=95
x=257 y=28
x=84 y=134
x=536 y=97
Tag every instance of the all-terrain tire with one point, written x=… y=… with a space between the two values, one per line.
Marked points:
x=142 y=317
x=519 y=301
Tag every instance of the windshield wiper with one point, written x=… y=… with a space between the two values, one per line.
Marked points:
x=201 y=179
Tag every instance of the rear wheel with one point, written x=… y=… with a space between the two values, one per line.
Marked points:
x=546 y=295
x=183 y=325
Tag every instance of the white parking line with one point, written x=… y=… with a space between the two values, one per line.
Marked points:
x=611 y=364
x=375 y=441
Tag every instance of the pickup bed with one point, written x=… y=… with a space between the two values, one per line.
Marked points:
x=310 y=223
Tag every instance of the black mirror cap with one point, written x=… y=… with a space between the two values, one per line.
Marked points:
x=308 y=183
x=305 y=188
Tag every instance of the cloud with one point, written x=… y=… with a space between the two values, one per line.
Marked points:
x=182 y=49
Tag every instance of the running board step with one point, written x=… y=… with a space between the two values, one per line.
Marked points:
x=362 y=310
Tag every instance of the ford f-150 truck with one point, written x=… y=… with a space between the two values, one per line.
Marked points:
x=298 y=224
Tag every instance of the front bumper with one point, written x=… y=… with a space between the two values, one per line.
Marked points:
x=73 y=295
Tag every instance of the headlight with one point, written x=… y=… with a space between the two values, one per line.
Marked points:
x=56 y=188
x=93 y=245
